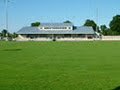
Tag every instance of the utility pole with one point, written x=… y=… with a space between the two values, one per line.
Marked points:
x=6 y=8
x=96 y=19
x=97 y=34
x=6 y=11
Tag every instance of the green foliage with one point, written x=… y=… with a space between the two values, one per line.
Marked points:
x=67 y=21
x=4 y=33
x=35 y=24
x=114 y=27
x=110 y=32
x=91 y=23
x=65 y=66
x=115 y=24
x=14 y=35
x=103 y=28
x=0 y=34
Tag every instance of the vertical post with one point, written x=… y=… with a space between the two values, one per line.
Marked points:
x=96 y=23
x=96 y=19
x=6 y=11
x=6 y=2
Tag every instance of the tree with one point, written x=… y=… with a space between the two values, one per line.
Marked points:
x=110 y=32
x=91 y=23
x=103 y=28
x=14 y=35
x=0 y=35
x=67 y=21
x=115 y=24
x=4 y=33
x=35 y=24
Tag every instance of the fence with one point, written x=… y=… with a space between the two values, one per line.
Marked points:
x=110 y=37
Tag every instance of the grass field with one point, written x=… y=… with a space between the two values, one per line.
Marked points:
x=59 y=65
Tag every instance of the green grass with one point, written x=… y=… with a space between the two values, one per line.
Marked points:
x=59 y=65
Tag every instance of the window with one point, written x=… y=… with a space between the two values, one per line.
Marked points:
x=56 y=27
x=47 y=27
x=69 y=27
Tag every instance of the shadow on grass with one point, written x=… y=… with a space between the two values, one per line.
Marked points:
x=12 y=49
x=116 y=88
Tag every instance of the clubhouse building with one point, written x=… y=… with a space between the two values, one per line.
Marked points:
x=56 y=32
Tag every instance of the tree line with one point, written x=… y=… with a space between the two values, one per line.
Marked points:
x=114 y=27
x=5 y=35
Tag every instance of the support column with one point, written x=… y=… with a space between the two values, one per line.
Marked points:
x=86 y=36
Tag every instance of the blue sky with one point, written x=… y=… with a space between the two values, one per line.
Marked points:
x=23 y=12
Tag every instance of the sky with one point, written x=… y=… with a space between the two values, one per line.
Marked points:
x=23 y=12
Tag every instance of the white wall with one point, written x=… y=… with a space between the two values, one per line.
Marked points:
x=110 y=37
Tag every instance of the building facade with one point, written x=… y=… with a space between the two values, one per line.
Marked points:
x=56 y=32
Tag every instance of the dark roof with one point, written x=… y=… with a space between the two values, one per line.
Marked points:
x=36 y=30
x=55 y=24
